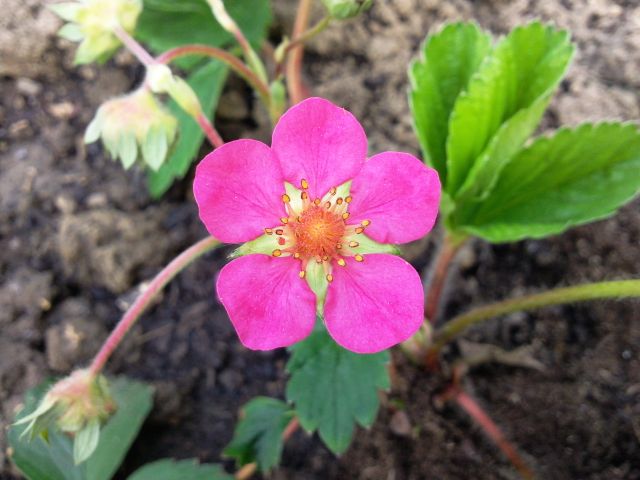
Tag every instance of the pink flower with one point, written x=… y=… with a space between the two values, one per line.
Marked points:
x=320 y=220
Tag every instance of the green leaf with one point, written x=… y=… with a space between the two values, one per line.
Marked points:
x=86 y=441
x=39 y=461
x=503 y=106
x=574 y=177
x=191 y=21
x=333 y=388
x=182 y=470
x=438 y=76
x=207 y=83
x=258 y=435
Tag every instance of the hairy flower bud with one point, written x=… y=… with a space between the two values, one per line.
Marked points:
x=93 y=22
x=78 y=405
x=135 y=126
x=161 y=80
x=344 y=9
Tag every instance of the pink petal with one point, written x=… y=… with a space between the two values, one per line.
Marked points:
x=374 y=304
x=398 y=194
x=269 y=305
x=238 y=189
x=320 y=142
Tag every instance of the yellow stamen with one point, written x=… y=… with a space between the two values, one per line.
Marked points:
x=304 y=184
x=353 y=244
x=277 y=252
x=359 y=258
x=286 y=198
x=341 y=262
x=329 y=278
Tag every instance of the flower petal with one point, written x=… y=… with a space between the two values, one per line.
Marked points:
x=269 y=305
x=238 y=189
x=374 y=304
x=320 y=142
x=398 y=194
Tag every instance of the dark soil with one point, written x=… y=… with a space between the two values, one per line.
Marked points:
x=78 y=236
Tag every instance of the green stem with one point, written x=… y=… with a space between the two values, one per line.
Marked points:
x=309 y=34
x=142 y=302
x=559 y=296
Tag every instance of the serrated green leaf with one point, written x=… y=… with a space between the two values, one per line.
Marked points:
x=192 y=21
x=491 y=120
x=207 y=82
x=258 y=434
x=86 y=441
x=182 y=470
x=574 y=177
x=39 y=461
x=438 y=76
x=332 y=388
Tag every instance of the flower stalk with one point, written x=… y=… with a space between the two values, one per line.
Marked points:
x=592 y=291
x=144 y=300
x=297 y=91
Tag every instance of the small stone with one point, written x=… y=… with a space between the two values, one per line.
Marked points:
x=400 y=424
x=65 y=203
x=28 y=87
x=62 y=110
x=97 y=200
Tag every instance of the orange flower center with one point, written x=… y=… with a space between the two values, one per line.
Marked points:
x=317 y=232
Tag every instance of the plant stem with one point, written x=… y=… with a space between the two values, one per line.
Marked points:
x=231 y=60
x=309 y=34
x=445 y=256
x=475 y=411
x=249 y=469
x=559 y=296
x=212 y=134
x=142 y=302
x=297 y=91
x=134 y=47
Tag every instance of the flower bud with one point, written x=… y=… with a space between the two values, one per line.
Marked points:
x=78 y=405
x=161 y=80
x=344 y=9
x=92 y=23
x=135 y=126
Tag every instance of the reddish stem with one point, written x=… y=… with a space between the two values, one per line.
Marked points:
x=297 y=91
x=232 y=61
x=212 y=134
x=446 y=254
x=469 y=405
x=133 y=46
x=142 y=302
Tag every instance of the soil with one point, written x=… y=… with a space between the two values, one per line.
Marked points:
x=78 y=237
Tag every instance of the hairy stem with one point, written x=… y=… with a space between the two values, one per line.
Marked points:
x=446 y=254
x=134 y=47
x=209 y=130
x=475 y=411
x=297 y=91
x=142 y=302
x=229 y=59
x=559 y=296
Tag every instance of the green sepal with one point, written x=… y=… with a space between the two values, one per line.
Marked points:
x=367 y=245
x=316 y=278
x=86 y=441
x=264 y=244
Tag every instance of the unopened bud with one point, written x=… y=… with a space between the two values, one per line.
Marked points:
x=161 y=80
x=78 y=405
x=92 y=23
x=132 y=127
x=344 y=9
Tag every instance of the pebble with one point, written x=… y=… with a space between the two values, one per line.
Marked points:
x=28 y=87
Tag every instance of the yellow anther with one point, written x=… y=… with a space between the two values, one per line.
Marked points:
x=304 y=195
x=302 y=274
x=279 y=231
x=341 y=262
x=316 y=201
x=333 y=190
x=359 y=258
x=345 y=215
x=329 y=278
x=339 y=201
x=277 y=252
x=286 y=198
x=348 y=199
x=338 y=246
x=327 y=205
x=268 y=231
x=325 y=258
x=353 y=244
x=296 y=255
x=359 y=229
x=284 y=220
x=366 y=223
x=304 y=184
